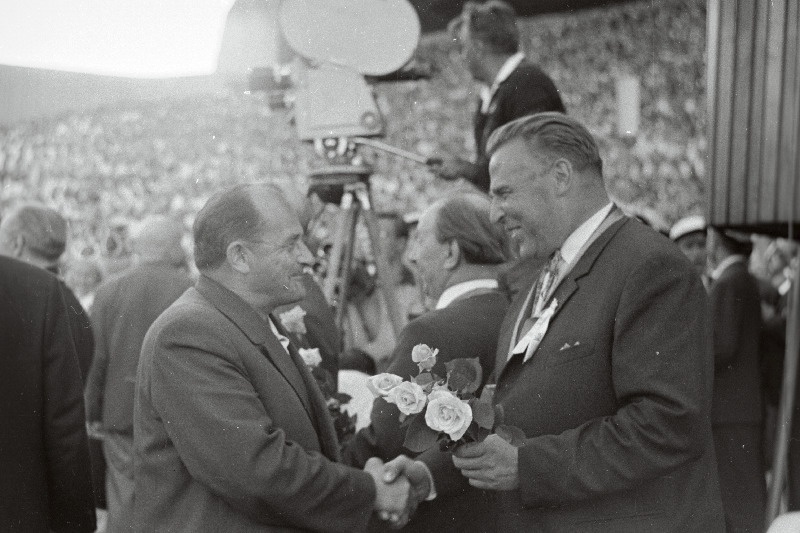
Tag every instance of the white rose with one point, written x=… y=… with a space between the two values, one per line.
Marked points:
x=381 y=384
x=449 y=414
x=293 y=320
x=408 y=397
x=311 y=356
x=424 y=356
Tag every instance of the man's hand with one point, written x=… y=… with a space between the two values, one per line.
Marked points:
x=492 y=464
x=392 y=498
x=417 y=474
x=451 y=168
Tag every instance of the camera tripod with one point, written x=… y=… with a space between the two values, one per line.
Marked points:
x=346 y=182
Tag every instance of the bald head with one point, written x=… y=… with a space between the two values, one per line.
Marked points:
x=34 y=233
x=234 y=214
x=158 y=238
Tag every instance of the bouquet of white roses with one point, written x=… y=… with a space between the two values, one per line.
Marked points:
x=443 y=410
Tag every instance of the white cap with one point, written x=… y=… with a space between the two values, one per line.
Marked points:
x=687 y=225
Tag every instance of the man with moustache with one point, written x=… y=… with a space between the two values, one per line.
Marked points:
x=608 y=372
x=231 y=431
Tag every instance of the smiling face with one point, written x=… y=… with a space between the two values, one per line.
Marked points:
x=276 y=258
x=524 y=199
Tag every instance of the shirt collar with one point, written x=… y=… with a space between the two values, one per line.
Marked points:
x=725 y=263
x=487 y=92
x=454 y=292
x=576 y=240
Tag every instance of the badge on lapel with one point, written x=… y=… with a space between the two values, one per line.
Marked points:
x=531 y=340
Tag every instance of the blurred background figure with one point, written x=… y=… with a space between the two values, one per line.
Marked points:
x=737 y=404
x=37 y=235
x=689 y=233
x=124 y=308
x=83 y=276
x=488 y=41
x=45 y=483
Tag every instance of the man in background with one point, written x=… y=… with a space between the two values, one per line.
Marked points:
x=37 y=235
x=456 y=252
x=737 y=405
x=45 y=483
x=124 y=308
x=512 y=87
x=689 y=233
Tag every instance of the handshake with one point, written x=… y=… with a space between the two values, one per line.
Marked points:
x=401 y=485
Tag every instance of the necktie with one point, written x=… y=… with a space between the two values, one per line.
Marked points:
x=542 y=291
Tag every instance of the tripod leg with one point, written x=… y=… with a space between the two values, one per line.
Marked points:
x=382 y=266
x=345 y=221
x=347 y=267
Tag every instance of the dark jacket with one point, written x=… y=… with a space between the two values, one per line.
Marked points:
x=124 y=308
x=526 y=91
x=45 y=482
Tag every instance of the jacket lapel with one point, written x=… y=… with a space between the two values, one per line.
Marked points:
x=318 y=407
x=258 y=331
x=570 y=284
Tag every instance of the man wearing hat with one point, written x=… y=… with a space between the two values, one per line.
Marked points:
x=689 y=233
x=736 y=408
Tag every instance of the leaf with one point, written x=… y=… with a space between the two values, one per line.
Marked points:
x=424 y=379
x=419 y=436
x=476 y=433
x=342 y=397
x=487 y=394
x=511 y=434
x=482 y=413
x=464 y=375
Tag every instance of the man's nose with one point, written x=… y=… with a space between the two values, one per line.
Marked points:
x=496 y=214
x=304 y=255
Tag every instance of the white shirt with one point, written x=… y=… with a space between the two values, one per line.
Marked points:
x=725 y=263
x=578 y=238
x=454 y=292
x=282 y=338
x=487 y=93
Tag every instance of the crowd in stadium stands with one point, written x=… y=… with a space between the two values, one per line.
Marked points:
x=107 y=168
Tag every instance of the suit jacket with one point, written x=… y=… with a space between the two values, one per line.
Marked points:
x=615 y=402
x=526 y=91
x=124 y=308
x=81 y=328
x=321 y=330
x=45 y=483
x=468 y=327
x=231 y=432
x=736 y=321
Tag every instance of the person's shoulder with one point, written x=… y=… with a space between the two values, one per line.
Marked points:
x=19 y=277
x=635 y=245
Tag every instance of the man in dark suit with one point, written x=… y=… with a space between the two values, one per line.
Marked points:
x=45 y=483
x=37 y=235
x=737 y=406
x=231 y=430
x=607 y=372
x=456 y=252
x=124 y=308
x=512 y=87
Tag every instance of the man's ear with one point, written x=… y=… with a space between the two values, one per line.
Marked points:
x=564 y=176
x=453 y=258
x=239 y=257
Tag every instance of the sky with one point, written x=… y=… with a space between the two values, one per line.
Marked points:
x=129 y=38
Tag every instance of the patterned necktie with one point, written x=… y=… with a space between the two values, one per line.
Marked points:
x=542 y=290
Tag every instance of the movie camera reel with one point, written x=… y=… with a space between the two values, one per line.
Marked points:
x=338 y=46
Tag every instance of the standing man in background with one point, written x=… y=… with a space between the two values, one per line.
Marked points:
x=512 y=87
x=124 y=308
x=737 y=405
x=45 y=482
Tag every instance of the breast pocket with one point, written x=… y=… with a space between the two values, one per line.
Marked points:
x=569 y=352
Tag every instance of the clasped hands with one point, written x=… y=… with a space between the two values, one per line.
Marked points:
x=403 y=483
